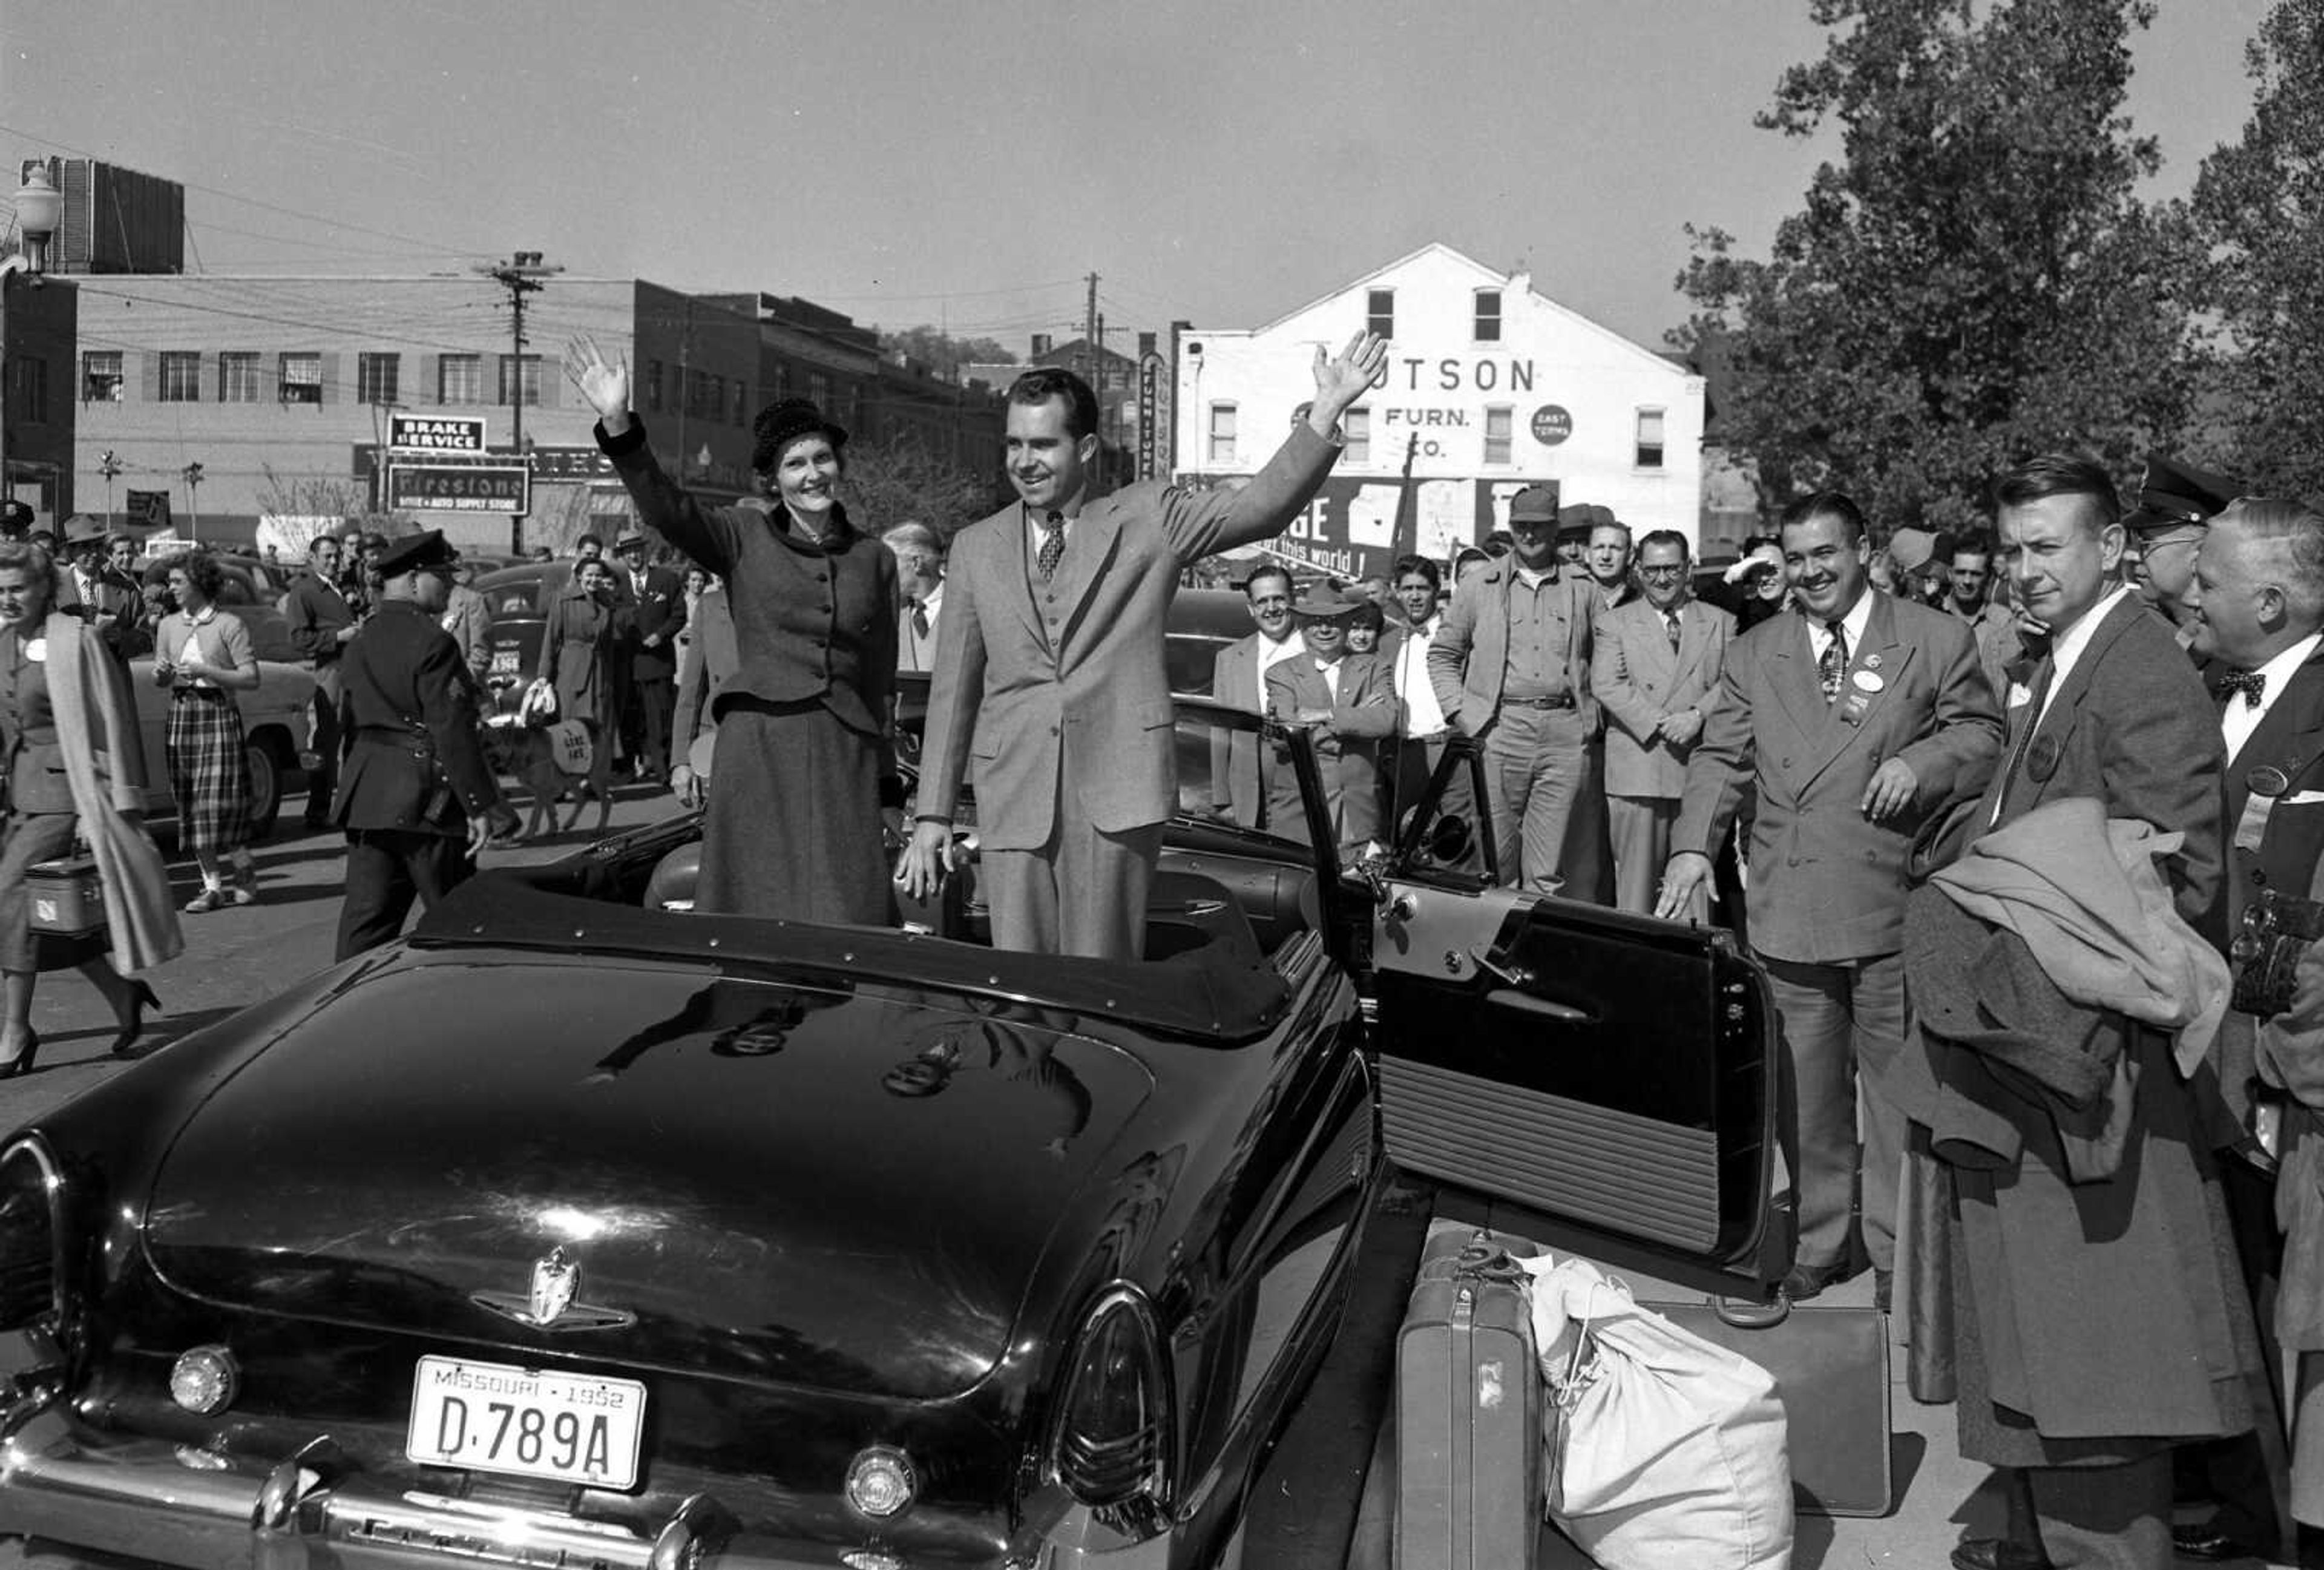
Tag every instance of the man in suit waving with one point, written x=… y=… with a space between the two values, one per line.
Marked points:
x=1858 y=717
x=1655 y=666
x=1050 y=663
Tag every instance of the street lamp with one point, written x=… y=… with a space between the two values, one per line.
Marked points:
x=109 y=465
x=192 y=474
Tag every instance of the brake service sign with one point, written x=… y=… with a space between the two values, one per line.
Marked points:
x=436 y=433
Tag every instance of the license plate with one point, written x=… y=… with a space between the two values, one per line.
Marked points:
x=573 y=1429
x=505 y=662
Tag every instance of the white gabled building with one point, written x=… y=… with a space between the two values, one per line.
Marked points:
x=1489 y=387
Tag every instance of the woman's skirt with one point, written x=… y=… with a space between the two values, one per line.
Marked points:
x=210 y=773
x=30 y=839
x=793 y=825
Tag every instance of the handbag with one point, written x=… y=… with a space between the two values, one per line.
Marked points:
x=540 y=703
x=1660 y=1449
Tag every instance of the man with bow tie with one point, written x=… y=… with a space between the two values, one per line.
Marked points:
x=920 y=556
x=1050 y=663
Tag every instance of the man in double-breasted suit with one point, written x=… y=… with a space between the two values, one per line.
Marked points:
x=1655 y=665
x=1511 y=666
x=1242 y=766
x=1348 y=701
x=1858 y=717
x=1050 y=669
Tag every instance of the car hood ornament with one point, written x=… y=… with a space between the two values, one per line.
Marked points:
x=551 y=1305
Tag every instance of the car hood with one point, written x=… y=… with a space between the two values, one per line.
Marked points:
x=805 y=1184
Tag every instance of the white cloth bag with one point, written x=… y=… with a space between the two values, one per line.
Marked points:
x=1662 y=1452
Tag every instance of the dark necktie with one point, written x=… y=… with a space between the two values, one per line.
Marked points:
x=919 y=620
x=1833 y=664
x=1053 y=546
x=1669 y=623
x=2250 y=683
x=2029 y=719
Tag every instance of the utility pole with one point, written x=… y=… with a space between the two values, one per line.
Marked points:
x=521 y=275
x=1096 y=376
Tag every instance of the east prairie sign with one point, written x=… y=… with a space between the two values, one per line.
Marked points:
x=436 y=433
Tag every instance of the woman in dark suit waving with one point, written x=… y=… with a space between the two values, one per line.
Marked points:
x=804 y=796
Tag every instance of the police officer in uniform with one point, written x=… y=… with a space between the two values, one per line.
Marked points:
x=416 y=797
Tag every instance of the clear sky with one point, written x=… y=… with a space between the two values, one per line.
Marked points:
x=909 y=161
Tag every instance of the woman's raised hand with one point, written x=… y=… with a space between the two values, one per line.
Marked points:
x=602 y=383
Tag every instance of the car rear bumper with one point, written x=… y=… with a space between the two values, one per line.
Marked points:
x=63 y=1481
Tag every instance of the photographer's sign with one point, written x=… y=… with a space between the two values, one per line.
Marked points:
x=462 y=433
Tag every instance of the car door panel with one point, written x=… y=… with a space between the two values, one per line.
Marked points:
x=1612 y=1075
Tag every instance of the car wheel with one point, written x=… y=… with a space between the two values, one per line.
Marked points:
x=266 y=786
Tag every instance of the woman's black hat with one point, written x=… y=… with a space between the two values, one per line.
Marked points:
x=780 y=424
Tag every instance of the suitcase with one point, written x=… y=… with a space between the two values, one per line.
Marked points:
x=1830 y=1368
x=66 y=897
x=1468 y=1412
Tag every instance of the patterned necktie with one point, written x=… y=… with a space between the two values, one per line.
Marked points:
x=1053 y=546
x=1833 y=663
x=2250 y=683
x=919 y=620
x=1670 y=623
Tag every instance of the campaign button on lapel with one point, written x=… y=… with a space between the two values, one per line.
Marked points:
x=1868 y=681
x=2267 y=780
x=2042 y=758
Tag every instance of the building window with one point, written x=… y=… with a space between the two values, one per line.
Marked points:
x=521 y=373
x=101 y=376
x=238 y=378
x=1222 y=433
x=653 y=386
x=302 y=378
x=1356 y=436
x=376 y=377
x=28 y=399
x=1380 y=313
x=460 y=379
x=1488 y=315
x=181 y=376
x=1650 y=439
x=741 y=401
x=1497 y=433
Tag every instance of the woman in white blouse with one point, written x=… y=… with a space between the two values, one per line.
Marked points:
x=202 y=654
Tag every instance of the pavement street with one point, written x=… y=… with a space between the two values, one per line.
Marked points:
x=235 y=957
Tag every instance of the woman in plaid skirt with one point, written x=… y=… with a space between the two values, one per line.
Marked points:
x=202 y=655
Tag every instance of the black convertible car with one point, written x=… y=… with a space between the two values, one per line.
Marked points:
x=579 y=1231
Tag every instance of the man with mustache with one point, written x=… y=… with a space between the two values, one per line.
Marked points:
x=1857 y=717
x=1049 y=662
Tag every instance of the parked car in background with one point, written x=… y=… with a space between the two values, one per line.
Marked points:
x=575 y=1230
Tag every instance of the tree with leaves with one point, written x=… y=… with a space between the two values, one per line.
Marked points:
x=1972 y=280
x=2259 y=209
x=940 y=352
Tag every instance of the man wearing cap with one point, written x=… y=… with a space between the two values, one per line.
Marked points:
x=416 y=797
x=1511 y=666
x=2176 y=503
x=1242 y=766
x=321 y=621
x=1050 y=663
x=92 y=590
x=1654 y=668
x=657 y=602
x=1573 y=525
x=1348 y=701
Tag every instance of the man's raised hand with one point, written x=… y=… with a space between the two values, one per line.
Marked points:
x=1340 y=381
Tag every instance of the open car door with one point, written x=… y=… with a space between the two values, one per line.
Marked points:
x=1612 y=1075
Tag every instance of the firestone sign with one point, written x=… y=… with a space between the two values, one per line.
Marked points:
x=436 y=433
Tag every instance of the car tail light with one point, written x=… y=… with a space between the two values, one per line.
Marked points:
x=1115 y=1427
x=31 y=1193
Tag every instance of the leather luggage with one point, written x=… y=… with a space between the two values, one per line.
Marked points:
x=1468 y=1412
x=1830 y=1368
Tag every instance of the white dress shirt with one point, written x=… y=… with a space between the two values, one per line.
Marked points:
x=1421 y=715
x=2069 y=644
x=2241 y=717
x=1857 y=618
x=1270 y=655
